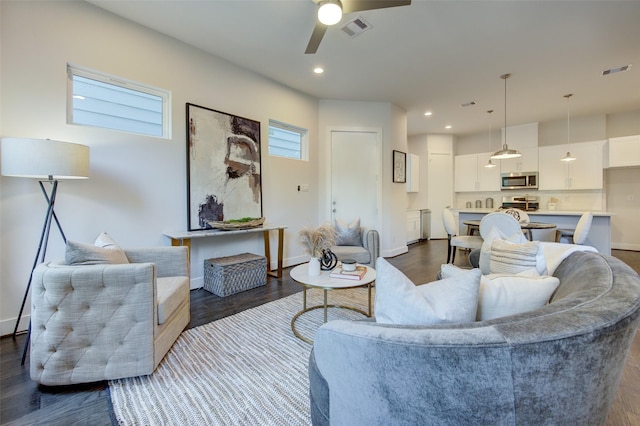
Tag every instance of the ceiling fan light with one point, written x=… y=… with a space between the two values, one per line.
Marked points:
x=568 y=157
x=330 y=12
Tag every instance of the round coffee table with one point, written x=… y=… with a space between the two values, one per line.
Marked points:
x=325 y=282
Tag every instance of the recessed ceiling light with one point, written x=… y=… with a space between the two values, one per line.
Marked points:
x=318 y=70
x=447 y=127
x=615 y=70
x=428 y=113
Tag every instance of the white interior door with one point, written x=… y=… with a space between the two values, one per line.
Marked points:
x=354 y=177
x=440 y=190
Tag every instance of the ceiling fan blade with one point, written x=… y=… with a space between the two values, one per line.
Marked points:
x=316 y=38
x=360 y=5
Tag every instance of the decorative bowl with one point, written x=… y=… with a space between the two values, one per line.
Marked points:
x=232 y=225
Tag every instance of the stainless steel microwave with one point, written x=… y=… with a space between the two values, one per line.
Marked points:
x=519 y=180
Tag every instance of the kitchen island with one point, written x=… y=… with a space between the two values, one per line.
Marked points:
x=599 y=234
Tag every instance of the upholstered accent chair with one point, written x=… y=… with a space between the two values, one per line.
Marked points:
x=107 y=321
x=365 y=252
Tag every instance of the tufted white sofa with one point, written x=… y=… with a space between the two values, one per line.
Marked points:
x=103 y=322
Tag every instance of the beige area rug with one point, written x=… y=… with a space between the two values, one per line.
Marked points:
x=246 y=369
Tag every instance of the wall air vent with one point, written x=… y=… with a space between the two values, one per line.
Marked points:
x=615 y=70
x=355 y=27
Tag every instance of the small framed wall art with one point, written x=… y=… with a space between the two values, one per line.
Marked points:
x=399 y=166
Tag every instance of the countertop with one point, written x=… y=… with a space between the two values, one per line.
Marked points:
x=538 y=212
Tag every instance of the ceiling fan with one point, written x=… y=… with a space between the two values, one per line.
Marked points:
x=330 y=12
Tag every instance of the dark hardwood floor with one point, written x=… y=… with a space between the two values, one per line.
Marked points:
x=22 y=402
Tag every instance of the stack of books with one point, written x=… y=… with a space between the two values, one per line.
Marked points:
x=338 y=272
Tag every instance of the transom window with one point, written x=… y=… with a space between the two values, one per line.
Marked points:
x=286 y=140
x=101 y=100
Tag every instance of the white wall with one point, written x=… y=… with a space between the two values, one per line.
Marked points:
x=137 y=187
x=392 y=121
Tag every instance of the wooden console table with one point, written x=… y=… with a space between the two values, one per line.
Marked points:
x=183 y=238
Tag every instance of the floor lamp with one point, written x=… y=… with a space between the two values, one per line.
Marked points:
x=48 y=161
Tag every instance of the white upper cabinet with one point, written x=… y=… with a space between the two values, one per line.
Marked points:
x=527 y=163
x=472 y=176
x=624 y=151
x=583 y=173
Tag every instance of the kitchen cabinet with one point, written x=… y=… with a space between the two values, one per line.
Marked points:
x=583 y=173
x=528 y=162
x=413 y=173
x=471 y=175
x=413 y=226
x=624 y=151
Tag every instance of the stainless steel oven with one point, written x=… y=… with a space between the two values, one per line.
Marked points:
x=521 y=180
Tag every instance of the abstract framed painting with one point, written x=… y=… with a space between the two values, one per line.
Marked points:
x=399 y=166
x=223 y=167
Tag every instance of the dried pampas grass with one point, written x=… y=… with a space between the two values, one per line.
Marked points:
x=315 y=240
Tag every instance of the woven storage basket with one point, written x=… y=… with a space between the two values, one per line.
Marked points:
x=224 y=276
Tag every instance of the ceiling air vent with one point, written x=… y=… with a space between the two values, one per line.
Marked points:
x=355 y=27
x=468 y=104
x=615 y=70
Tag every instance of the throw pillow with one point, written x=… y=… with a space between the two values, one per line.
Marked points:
x=502 y=295
x=348 y=235
x=485 y=251
x=103 y=251
x=399 y=301
x=511 y=258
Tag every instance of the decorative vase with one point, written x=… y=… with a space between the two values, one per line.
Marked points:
x=314 y=266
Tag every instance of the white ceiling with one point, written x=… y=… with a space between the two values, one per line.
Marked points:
x=431 y=55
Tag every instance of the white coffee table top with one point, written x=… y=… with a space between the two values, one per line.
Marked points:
x=300 y=274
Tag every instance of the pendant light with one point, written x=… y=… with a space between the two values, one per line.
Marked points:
x=505 y=152
x=568 y=157
x=490 y=164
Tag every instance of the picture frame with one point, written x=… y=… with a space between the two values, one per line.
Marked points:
x=399 y=166
x=224 y=178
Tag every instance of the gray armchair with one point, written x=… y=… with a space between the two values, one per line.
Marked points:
x=366 y=253
x=103 y=322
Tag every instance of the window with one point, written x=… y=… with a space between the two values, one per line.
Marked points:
x=101 y=100
x=288 y=141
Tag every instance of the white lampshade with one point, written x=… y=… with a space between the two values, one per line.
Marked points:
x=44 y=159
x=330 y=12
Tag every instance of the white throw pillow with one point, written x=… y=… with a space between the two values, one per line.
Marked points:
x=512 y=258
x=399 y=301
x=104 y=250
x=485 y=251
x=503 y=295
x=348 y=235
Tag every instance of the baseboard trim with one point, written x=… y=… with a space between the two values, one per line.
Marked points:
x=625 y=246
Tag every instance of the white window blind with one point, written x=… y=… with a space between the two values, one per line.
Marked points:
x=104 y=101
x=287 y=141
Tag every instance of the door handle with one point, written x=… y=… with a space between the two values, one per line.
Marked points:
x=334 y=210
